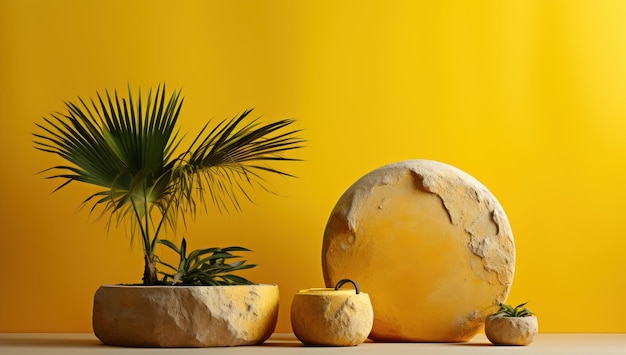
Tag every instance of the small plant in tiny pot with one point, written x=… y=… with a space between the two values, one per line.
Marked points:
x=129 y=149
x=511 y=325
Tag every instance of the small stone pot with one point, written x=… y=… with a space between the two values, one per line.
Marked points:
x=185 y=316
x=511 y=330
x=332 y=317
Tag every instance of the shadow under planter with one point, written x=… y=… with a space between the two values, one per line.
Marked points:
x=185 y=316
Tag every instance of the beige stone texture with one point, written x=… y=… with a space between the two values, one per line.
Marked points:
x=511 y=330
x=328 y=317
x=430 y=243
x=185 y=316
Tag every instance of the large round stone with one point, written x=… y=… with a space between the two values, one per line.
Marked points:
x=432 y=246
x=185 y=316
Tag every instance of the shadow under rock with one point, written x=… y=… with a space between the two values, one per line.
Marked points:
x=53 y=340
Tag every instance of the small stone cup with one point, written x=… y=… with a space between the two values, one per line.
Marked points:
x=332 y=317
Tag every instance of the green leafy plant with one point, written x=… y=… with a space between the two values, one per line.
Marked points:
x=205 y=266
x=510 y=311
x=131 y=150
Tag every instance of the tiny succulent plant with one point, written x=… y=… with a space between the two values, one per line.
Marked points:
x=510 y=311
x=205 y=266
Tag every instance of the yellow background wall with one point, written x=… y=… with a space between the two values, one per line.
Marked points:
x=527 y=96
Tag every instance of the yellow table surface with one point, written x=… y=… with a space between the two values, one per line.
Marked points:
x=86 y=343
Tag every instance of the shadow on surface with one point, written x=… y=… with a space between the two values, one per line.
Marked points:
x=283 y=341
x=44 y=341
x=487 y=344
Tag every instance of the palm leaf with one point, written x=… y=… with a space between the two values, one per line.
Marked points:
x=225 y=161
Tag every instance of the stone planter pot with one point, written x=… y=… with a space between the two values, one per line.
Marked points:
x=332 y=317
x=185 y=316
x=511 y=330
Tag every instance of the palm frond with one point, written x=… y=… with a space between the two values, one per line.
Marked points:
x=117 y=145
x=227 y=162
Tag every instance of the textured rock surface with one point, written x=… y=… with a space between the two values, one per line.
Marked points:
x=511 y=330
x=329 y=317
x=432 y=246
x=185 y=316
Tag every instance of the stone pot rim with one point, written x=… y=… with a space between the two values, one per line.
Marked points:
x=493 y=316
x=140 y=286
x=328 y=292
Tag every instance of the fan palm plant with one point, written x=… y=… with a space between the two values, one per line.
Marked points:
x=131 y=150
